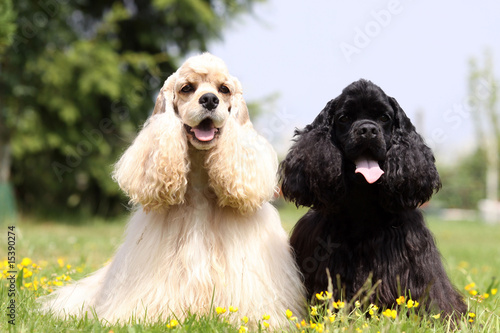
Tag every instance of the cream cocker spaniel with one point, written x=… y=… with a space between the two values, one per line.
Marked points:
x=203 y=234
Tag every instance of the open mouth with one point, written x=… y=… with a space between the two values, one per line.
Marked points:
x=204 y=132
x=369 y=168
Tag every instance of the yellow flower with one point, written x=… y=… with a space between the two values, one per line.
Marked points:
x=473 y=292
x=437 y=316
x=288 y=313
x=266 y=324
x=266 y=317
x=357 y=304
x=338 y=305
x=314 y=310
x=27 y=273
x=324 y=295
x=470 y=286
x=303 y=323
x=412 y=304
x=60 y=261
x=494 y=291
x=26 y=262
x=373 y=309
x=331 y=318
x=172 y=323
x=220 y=310
x=233 y=309
x=244 y=319
x=486 y=295
x=390 y=313
x=400 y=300
x=243 y=329
x=319 y=328
x=472 y=314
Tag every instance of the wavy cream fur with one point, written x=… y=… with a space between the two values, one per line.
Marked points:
x=153 y=170
x=205 y=235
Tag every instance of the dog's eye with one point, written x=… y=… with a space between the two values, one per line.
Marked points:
x=187 y=88
x=224 y=89
x=343 y=119
x=384 y=118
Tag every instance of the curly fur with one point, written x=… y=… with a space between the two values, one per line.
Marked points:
x=203 y=234
x=358 y=229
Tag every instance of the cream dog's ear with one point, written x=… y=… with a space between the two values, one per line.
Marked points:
x=242 y=167
x=238 y=106
x=153 y=170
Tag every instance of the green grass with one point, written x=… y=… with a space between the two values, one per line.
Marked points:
x=470 y=250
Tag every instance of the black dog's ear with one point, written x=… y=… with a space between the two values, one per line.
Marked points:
x=311 y=171
x=410 y=176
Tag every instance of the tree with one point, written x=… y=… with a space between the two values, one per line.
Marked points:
x=483 y=93
x=77 y=80
x=7 y=29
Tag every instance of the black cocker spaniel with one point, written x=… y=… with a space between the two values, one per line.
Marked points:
x=364 y=171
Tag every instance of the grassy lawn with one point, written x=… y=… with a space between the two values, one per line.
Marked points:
x=59 y=252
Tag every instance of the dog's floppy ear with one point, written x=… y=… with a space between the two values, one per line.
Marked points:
x=410 y=176
x=242 y=167
x=153 y=170
x=311 y=171
x=238 y=107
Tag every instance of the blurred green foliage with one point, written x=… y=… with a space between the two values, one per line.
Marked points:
x=463 y=181
x=77 y=80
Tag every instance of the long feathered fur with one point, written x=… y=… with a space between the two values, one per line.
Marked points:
x=203 y=233
x=357 y=230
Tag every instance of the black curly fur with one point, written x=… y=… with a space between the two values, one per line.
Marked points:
x=355 y=229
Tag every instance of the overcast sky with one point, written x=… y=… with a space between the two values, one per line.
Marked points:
x=416 y=51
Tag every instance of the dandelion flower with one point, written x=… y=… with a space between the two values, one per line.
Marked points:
x=173 y=323
x=288 y=313
x=494 y=291
x=400 y=300
x=220 y=310
x=473 y=292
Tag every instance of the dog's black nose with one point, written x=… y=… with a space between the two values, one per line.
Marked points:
x=209 y=101
x=368 y=131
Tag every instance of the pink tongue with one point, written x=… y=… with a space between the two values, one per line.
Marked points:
x=369 y=169
x=204 y=134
